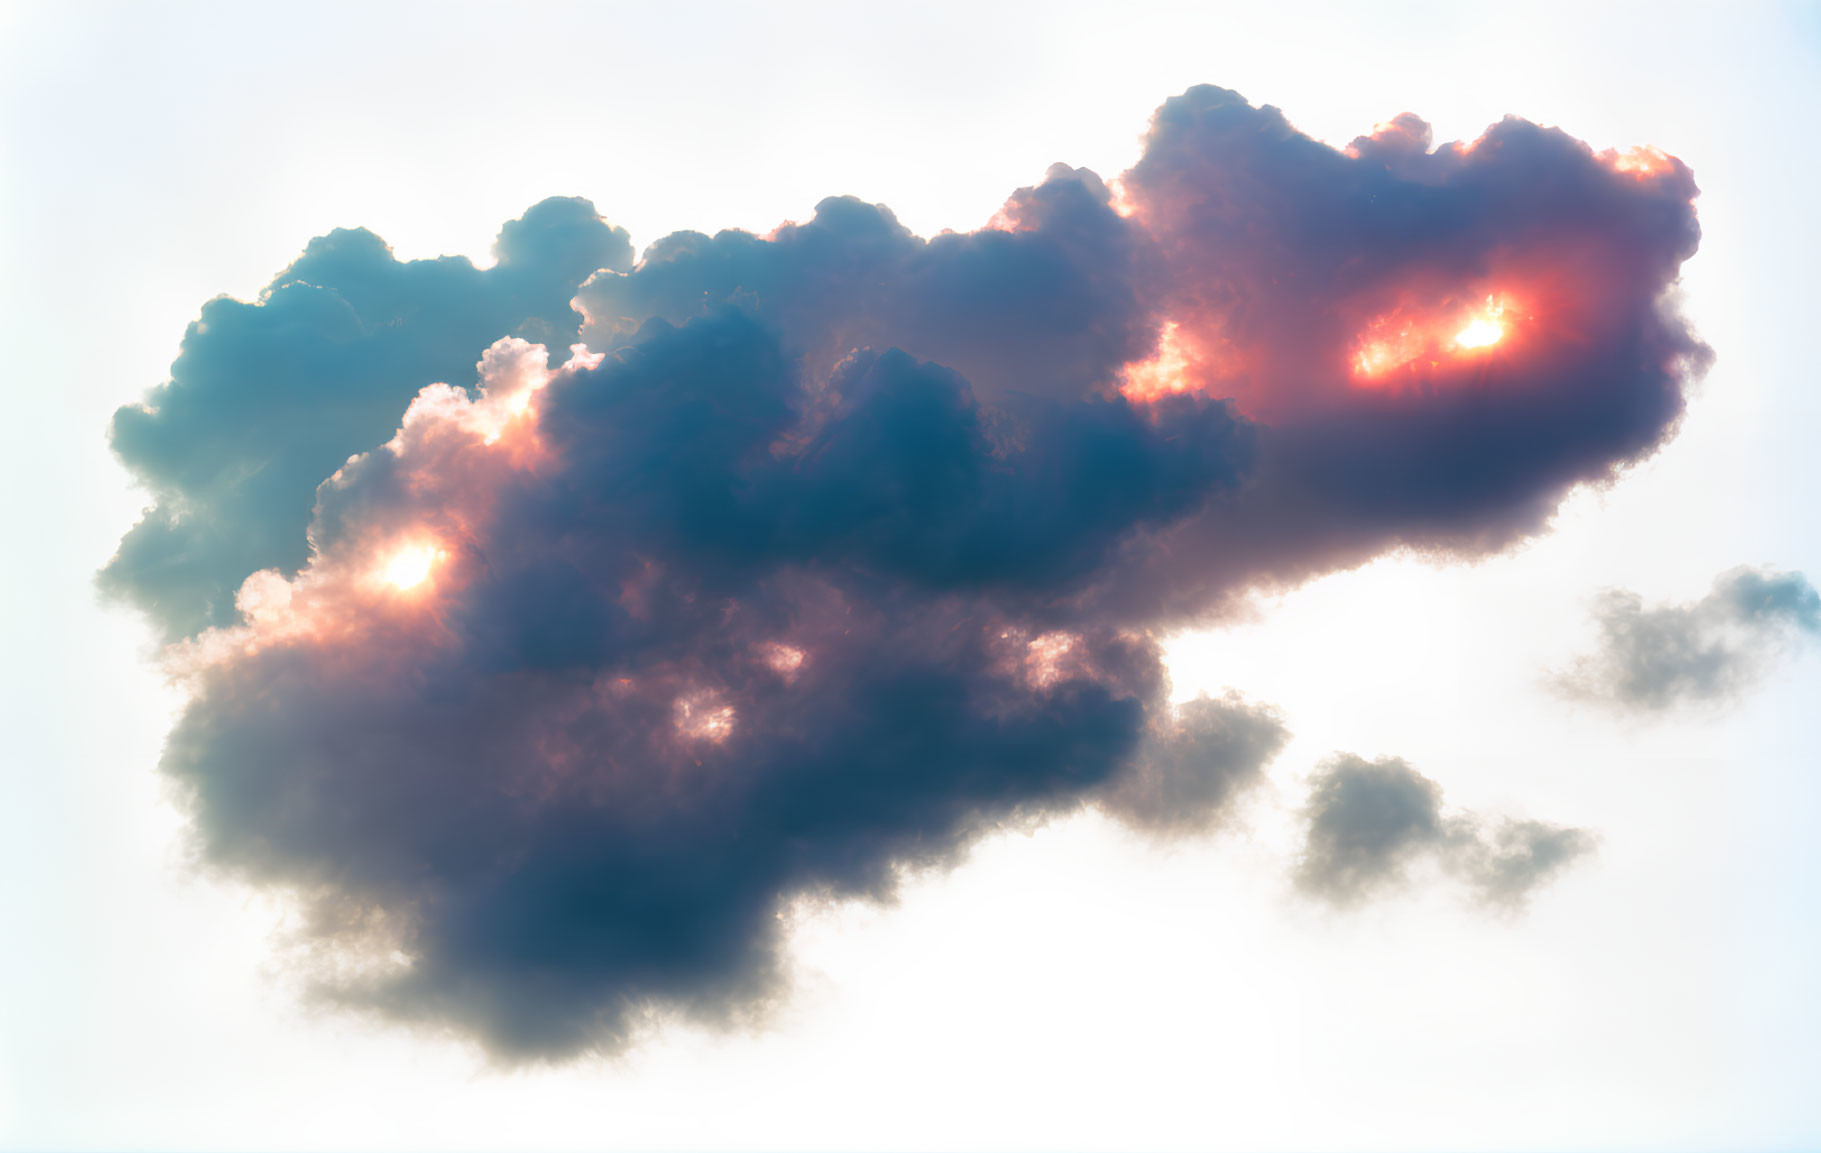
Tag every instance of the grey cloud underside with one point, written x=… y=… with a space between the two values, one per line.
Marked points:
x=909 y=460
x=1370 y=822
x=1653 y=659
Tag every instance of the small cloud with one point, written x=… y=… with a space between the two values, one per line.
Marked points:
x=1505 y=866
x=1371 y=821
x=1653 y=659
x=1194 y=763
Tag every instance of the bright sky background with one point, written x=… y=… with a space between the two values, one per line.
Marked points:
x=1073 y=987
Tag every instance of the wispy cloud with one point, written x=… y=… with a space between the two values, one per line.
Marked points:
x=1369 y=822
x=1655 y=659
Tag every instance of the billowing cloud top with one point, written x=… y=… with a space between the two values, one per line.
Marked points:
x=826 y=550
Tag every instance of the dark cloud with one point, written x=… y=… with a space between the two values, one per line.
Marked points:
x=1369 y=822
x=1655 y=659
x=842 y=545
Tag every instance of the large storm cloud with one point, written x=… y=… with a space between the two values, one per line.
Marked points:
x=823 y=552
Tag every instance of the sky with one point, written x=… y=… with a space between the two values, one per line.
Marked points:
x=1486 y=858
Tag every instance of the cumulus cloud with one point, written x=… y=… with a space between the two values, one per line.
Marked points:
x=545 y=684
x=1369 y=822
x=1658 y=658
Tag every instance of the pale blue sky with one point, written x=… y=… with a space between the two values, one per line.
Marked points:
x=1659 y=996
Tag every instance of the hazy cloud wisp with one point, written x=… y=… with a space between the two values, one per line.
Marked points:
x=1369 y=822
x=1653 y=659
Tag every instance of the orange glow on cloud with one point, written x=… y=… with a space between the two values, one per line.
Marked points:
x=1122 y=201
x=457 y=449
x=1642 y=163
x=410 y=566
x=701 y=718
x=1046 y=662
x=1181 y=364
x=783 y=659
x=1161 y=375
x=1485 y=329
x=1400 y=339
